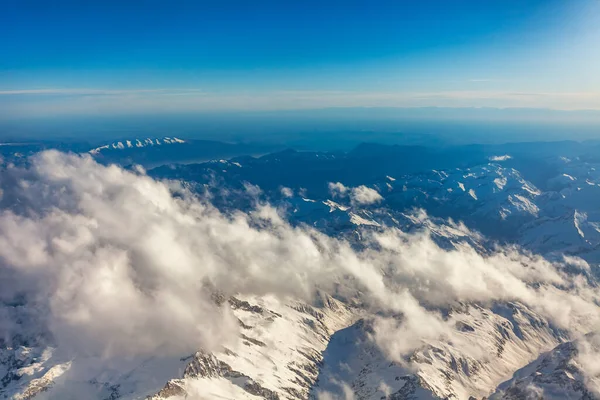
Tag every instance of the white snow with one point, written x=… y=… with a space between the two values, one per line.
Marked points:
x=578 y=219
x=358 y=220
x=335 y=206
x=500 y=182
x=129 y=143
x=500 y=158
x=522 y=203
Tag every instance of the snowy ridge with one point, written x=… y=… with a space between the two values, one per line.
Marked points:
x=555 y=375
x=509 y=336
x=277 y=356
x=296 y=359
x=488 y=190
x=297 y=351
x=137 y=143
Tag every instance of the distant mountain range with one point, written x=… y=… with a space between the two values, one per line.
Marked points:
x=121 y=145
x=151 y=152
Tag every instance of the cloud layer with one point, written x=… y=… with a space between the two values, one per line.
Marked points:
x=110 y=261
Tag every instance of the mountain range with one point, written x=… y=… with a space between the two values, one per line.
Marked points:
x=538 y=200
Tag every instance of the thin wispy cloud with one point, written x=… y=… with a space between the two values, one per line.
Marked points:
x=82 y=101
x=98 y=92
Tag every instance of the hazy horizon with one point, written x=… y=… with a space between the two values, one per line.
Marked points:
x=322 y=129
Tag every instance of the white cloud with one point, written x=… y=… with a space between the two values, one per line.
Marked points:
x=346 y=390
x=286 y=192
x=337 y=189
x=385 y=389
x=363 y=195
x=252 y=190
x=360 y=195
x=588 y=358
x=110 y=261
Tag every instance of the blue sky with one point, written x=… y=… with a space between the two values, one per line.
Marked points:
x=109 y=57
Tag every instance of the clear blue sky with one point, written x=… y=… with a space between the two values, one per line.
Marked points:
x=59 y=57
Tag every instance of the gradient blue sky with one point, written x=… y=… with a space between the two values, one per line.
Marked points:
x=111 y=57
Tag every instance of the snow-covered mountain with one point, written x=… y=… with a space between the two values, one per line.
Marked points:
x=508 y=336
x=327 y=348
x=557 y=374
x=558 y=214
x=153 y=151
x=295 y=350
x=137 y=143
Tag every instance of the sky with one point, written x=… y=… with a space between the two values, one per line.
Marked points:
x=114 y=57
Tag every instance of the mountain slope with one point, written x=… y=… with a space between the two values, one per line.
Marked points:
x=557 y=374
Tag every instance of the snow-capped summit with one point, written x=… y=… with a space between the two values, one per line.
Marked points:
x=133 y=143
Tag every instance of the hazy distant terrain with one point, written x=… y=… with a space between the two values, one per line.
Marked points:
x=323 y=129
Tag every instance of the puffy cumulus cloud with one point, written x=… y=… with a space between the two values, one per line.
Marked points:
x=434 y=279
x=111 y=261
x=337 y=189
x=286 y=192
x=252 y=190
x=360 y=195
x=119 y=263
x=576 y=262
x=364 y=195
